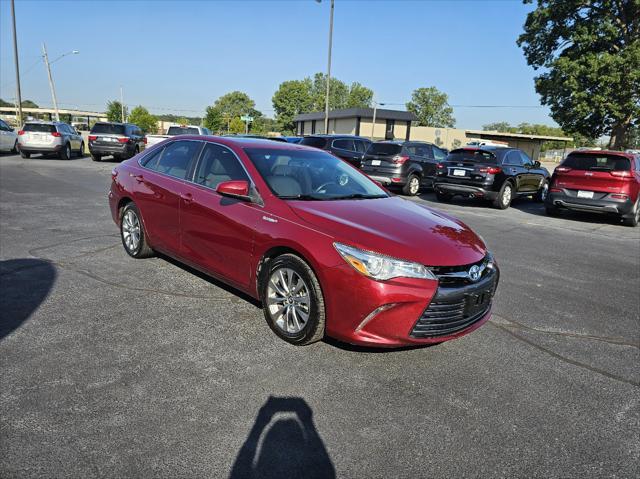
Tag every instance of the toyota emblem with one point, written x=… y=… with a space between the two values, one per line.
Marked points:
x=474 y=273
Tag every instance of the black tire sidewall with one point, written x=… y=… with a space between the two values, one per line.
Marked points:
x=136 y=253
x=499 y=200
x=65 y=153
x=300 y=267
x=406 y=190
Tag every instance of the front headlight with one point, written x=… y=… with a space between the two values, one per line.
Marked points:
x=380 y=267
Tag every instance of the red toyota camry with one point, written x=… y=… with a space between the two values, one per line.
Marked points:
x=324 y=248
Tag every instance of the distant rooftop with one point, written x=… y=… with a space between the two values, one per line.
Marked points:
x=487 y=135
x=381 y=114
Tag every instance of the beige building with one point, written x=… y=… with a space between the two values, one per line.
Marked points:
x=400 y=125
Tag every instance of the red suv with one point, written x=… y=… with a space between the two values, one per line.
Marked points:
x=597 y=181
x=325 y=249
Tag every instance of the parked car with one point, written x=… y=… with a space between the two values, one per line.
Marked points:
x=494 y=173
x=324 y=248
x=120 y=140
x=178 y=130
x=8 y=138
x=348 y=147
x=599 y=181
x=405 y=164
x=293 y=139
x=50 y=137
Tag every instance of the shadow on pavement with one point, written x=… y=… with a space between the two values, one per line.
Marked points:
x=24 y=284
x=283 y=443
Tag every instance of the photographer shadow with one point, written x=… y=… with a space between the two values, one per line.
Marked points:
x=283 y=442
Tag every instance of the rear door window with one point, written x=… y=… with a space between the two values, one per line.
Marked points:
x=384 y=149
x=594 y=161
x=478 y=156
x=361 y=146
x=438 y=154
x=513 y=158
x=344 y=145
x=314 y=141
x=176 y=159
x=39 y=128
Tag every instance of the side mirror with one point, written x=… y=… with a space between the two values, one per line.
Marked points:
x=234 y=189
x=536 y=164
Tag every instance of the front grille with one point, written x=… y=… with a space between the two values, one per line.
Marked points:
x=454 y=309
x=451 y=276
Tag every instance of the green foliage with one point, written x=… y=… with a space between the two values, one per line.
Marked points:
x=431 y=106
x=589 y=53
x=146 y=121
x=29 y=104
x=307 y=95
x=237 y=125
x=263 y=125
x=114 y=111
x=189 y=120
x=227 y=108
x=5 y=103
x=543 y=130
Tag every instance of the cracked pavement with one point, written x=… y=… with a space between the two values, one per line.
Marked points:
x=114 y=367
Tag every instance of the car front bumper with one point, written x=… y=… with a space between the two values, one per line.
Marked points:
x=606 y=205
x=398 y=312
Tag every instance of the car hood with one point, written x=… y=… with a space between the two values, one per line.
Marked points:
x=395 y=227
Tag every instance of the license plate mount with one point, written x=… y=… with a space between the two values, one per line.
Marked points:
x=459 y=173
x=375 y=162
x=585 y=194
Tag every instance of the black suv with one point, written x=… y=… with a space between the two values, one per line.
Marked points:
x=494 y=173
x=348 y=147
x=409 y=164
x=121 y=140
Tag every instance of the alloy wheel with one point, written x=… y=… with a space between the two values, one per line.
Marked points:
x=545 y=191
x=414 y=185
x=288 y=300
x=506 y=195
x=131 y=230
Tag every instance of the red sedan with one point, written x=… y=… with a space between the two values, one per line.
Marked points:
x=324 y=248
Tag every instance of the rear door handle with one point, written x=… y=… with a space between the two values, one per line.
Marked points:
x=186 y=197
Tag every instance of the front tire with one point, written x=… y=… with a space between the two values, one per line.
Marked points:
x=505 y=195
x=81 y=151
x=65 y=153
x=14 y=150
x=292 y=300
x=635 y=219
x=132 y=233
x=412 y=187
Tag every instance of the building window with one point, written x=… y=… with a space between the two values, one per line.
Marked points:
x=388 y=134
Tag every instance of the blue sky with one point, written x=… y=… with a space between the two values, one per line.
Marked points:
x=178 y=56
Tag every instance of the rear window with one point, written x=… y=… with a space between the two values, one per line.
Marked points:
x=39 y=127
x=108 y=129
x=590 y=161
x=479 y=156
x=314 y=141
x=182 y=130
x=388 y=149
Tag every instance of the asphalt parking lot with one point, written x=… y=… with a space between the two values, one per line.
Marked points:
x=114 y=367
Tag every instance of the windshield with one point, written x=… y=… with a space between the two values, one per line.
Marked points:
x=478 y=156
x=182 y=130
x=315 y=141
x=311 y=175
x=39 y=127
x=591 y=161
x=108 y=128
x=388 y=149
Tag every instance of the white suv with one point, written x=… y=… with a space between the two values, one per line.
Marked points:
x=52 y=137
x=8 y=138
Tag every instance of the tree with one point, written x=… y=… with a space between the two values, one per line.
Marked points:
x=29 y=104
x=5 y=103
x=543 y=130
x=146 y=121
x=501 y=126
x=431 y=106
x=114 y=111
x=291 y=98
x=359 y=96
x=227 y=107
x=590 y=56
x=237 y=125
x=263 y=125
x=338 y=93
x=214 y=120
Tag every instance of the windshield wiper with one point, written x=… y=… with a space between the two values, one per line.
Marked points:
x=299 y=197
x=357 y=196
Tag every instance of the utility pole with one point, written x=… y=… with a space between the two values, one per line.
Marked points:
x=51 y=86
x=375 y=110
x=326 y=100
x=121 y=104
x=17 y=63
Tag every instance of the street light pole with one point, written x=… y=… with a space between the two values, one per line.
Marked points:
x=375 y=110
x=326 y=99
x=51 y=86
x=17 y=64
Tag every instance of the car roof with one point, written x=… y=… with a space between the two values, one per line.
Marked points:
x=245 y=142
x=335 y=135
x=602 y=152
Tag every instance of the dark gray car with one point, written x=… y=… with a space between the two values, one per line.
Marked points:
x=350 y=148
x=120 y=140
x=406 y=164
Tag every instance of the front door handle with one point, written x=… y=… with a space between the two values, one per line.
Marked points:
x=186 y=197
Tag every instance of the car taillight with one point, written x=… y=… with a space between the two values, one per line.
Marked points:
x=21 y=132
x=562 y=169
x=123 y=140
x=114 y=173
x=492 y=170
x=619 y=197
x=56 y=134
x=145 y=140
x=621 y=174
x=440 y=166
x=399 y=160
x=92 y=138
x=555 y=190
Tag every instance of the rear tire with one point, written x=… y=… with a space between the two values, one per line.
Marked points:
x=285 y=281
x=542 y=193
x=505 y=195
x=25 y=155
x=635 y=219
x=412 y=187
x=14 y=150
x=134 y=238
x=96 y=157
x=65 y=153
x=81 y=151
